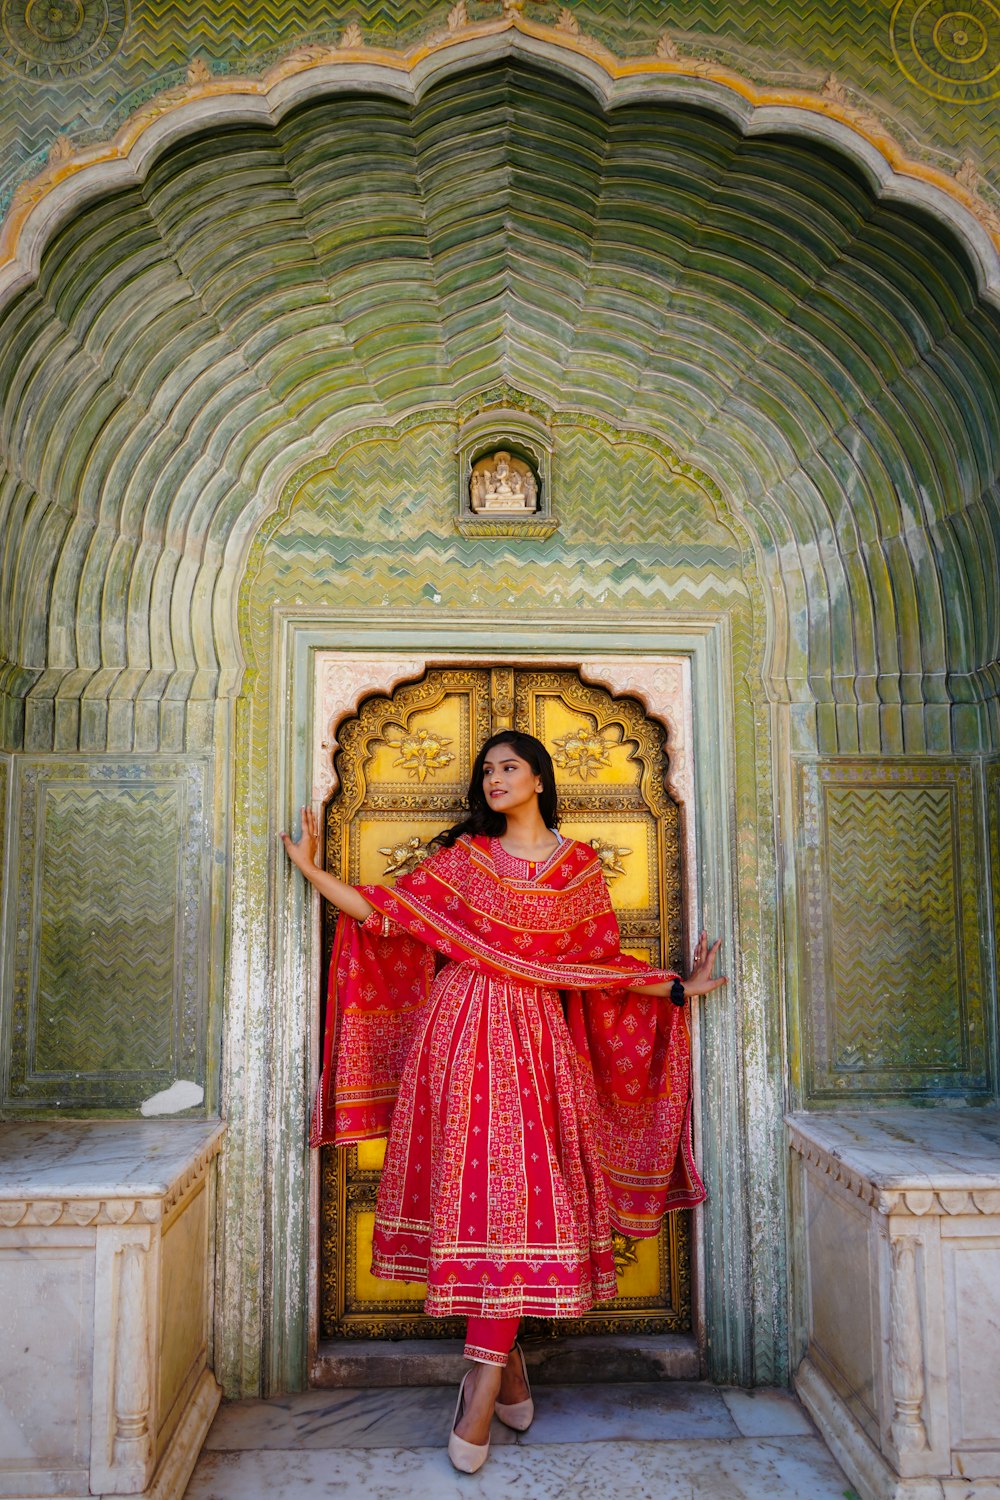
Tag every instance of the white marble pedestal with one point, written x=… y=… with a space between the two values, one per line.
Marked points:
x=897 y=1268
x=105 y=1303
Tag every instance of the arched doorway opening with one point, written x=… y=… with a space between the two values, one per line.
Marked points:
x=403 y=767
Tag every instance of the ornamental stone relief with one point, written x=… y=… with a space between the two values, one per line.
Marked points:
x=342 y=681
x=950 y=51
x=504 y=468
x=53 y=39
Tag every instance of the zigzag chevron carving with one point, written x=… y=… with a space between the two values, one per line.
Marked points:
x=109 y=955
x=374 y=529
x=891 y=916
x=105 y=989
x=895 y=944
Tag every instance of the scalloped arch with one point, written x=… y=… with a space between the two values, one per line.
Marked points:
x=247 y=277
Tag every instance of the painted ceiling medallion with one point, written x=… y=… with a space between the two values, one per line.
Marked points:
x=422 y=753
x=46 y=39
x=948 y=49
x=582 y=752
x=611 y=856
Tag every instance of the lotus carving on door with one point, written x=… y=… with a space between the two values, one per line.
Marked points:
x=422 y=752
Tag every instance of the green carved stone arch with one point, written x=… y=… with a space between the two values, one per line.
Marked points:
x=263 y=276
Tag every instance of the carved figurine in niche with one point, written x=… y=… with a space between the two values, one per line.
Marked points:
x=504 y=484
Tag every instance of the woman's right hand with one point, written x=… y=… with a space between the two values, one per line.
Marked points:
x=302 y=851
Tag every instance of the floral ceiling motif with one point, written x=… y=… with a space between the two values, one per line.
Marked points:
x=59 y=39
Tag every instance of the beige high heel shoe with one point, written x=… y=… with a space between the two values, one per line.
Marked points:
x=517 y=1414
x=467 y=1458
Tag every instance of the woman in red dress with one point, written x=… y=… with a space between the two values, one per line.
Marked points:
x=533 y=1080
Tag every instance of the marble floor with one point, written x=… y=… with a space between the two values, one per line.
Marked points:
x=669 y=1441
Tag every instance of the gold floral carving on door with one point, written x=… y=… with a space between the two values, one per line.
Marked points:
x=404 y=764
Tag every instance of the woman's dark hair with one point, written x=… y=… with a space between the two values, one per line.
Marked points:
x=482 y=818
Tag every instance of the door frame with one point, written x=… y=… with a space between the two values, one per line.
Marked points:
x=681 y=670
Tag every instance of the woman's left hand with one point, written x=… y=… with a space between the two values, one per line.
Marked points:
x=701 y=980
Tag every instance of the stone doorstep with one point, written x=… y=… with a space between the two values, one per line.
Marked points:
x=364 y=1363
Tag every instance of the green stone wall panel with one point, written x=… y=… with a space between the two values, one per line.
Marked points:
x=894 y=906
x=108 y=937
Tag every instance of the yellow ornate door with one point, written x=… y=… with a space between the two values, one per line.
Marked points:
x=404 y=766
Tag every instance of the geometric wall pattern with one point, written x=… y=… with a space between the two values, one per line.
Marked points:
x=107 y=953
x=376 y=528
x=82 y=69
x=894 y=930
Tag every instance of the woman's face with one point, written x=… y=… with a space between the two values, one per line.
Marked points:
x=508 y=781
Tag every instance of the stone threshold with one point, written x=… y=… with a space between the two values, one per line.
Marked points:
x=366 y=1364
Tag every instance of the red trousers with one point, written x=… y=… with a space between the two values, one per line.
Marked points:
x=489 y=1340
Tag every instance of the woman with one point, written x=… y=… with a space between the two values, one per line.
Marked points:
x=532 y=1078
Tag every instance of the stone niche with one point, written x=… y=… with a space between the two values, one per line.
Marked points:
x=897 y=1268
x=505 y=475
x=105 y=1235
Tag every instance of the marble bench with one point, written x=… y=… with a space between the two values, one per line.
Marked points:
x=105 y=1301
x=896 y=1264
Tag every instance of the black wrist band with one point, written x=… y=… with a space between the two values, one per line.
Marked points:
x=677 y=995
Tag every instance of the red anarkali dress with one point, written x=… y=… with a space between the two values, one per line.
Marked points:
x=481 y=1017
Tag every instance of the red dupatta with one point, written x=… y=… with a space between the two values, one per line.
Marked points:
x=557 y=930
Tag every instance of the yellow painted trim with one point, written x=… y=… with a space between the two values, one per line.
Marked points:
x=305 y=58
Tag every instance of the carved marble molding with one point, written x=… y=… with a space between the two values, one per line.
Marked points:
x=663 y=687
x=342 y=681
x=906 y=1349
x=133 y=1376
x=50 y=1213
x=940 y=1202
x=830 y=1166
x=102 y=1209
x=193 y=1173
x=913 y=1202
